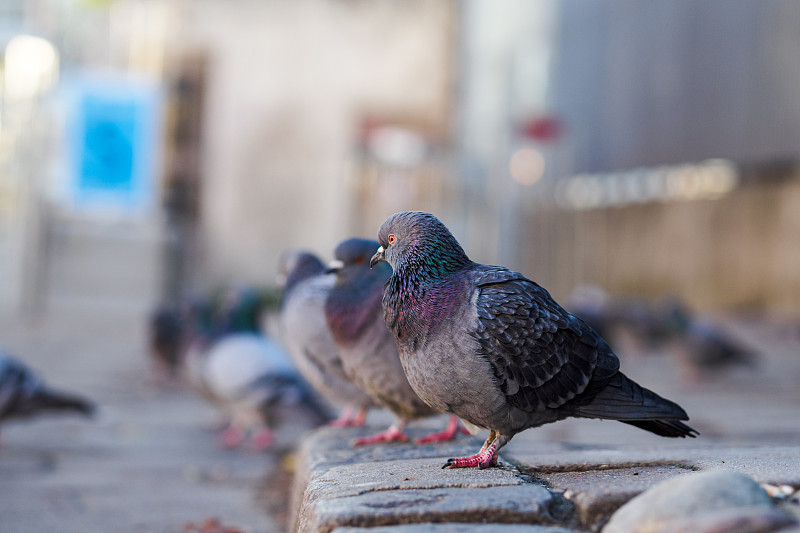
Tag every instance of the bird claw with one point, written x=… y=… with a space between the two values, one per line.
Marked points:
x=390 y=435
x=453 y=429
x=483 y=459
x=346 y=419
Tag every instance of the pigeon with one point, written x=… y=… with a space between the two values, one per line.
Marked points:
x=248 y=375
x=704 y=348
x=23 y=394
x=492 y=347
x=310 y=344
x=367 y=347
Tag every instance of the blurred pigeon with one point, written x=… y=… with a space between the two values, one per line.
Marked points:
x=655 y=323
x=492 y=347
x=23 y=394
x=243 y=372
x=368 y=349
x=704 y=348
x=308 y=339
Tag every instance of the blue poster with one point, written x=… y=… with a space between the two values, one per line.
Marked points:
x=113 y=136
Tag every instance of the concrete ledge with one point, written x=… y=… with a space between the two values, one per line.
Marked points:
x=338 y=485
x=394 y=488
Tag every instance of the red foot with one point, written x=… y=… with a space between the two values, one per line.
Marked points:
x=393 y=434
x=231 y=437
x=453 y=428
x=482 y=459
x=262 y=440
x=346 y=419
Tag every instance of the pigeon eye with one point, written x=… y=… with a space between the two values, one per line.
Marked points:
x=392 y=239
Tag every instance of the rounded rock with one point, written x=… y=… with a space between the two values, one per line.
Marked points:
x=686 y=497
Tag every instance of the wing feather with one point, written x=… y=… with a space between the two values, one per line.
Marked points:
x=541 y=355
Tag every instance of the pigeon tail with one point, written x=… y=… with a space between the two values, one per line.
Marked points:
x=276 y=389
x=664 y=428
x=49 y=400
x=625 y=400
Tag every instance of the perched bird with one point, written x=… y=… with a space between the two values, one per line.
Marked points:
x=368 y=349
x=493 y=347
x=305 y=289
x=23 y=394
x=704 y=348
x=249 y=376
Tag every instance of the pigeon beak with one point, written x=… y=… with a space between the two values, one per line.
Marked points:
x=378 y=257
x=334 y=266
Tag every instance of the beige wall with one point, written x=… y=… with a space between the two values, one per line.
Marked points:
x=737 y=252
x=288 y=84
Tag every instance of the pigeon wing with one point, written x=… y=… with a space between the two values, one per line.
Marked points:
x=541 y=355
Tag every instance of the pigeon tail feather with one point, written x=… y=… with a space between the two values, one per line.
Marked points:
x=49 y=400
x=664 y=428
x=625 y=400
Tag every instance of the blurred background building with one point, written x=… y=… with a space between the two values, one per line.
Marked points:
x=149 y=147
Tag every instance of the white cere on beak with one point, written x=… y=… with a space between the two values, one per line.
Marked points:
x=380 y=249
x=336 y=264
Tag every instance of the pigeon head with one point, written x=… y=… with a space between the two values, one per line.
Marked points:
x=352 y=258
x=296 y=266
x=420 y=242
x=355 y=300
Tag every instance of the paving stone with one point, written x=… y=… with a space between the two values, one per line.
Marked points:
x=767 y=464
x=532 y=504
x=596 y=494
x=692 y=496
x=334 y=446
x=455 y=528
x=354 y=479
x=598 y=481
x=328 y=448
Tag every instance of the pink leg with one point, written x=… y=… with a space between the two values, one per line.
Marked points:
x=262 y=440
x=487 y=457
x=484 y=458
x=358 y=420
x=393 y=434
x=453 y=428
x=231 y=437
x=344 y=418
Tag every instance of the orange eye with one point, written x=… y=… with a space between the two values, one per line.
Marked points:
x=392 y=239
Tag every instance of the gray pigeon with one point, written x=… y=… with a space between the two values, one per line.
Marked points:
x=23 y=394
x=494 y=348
x=308 y=339
x=368 y=349
x=245 y=373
